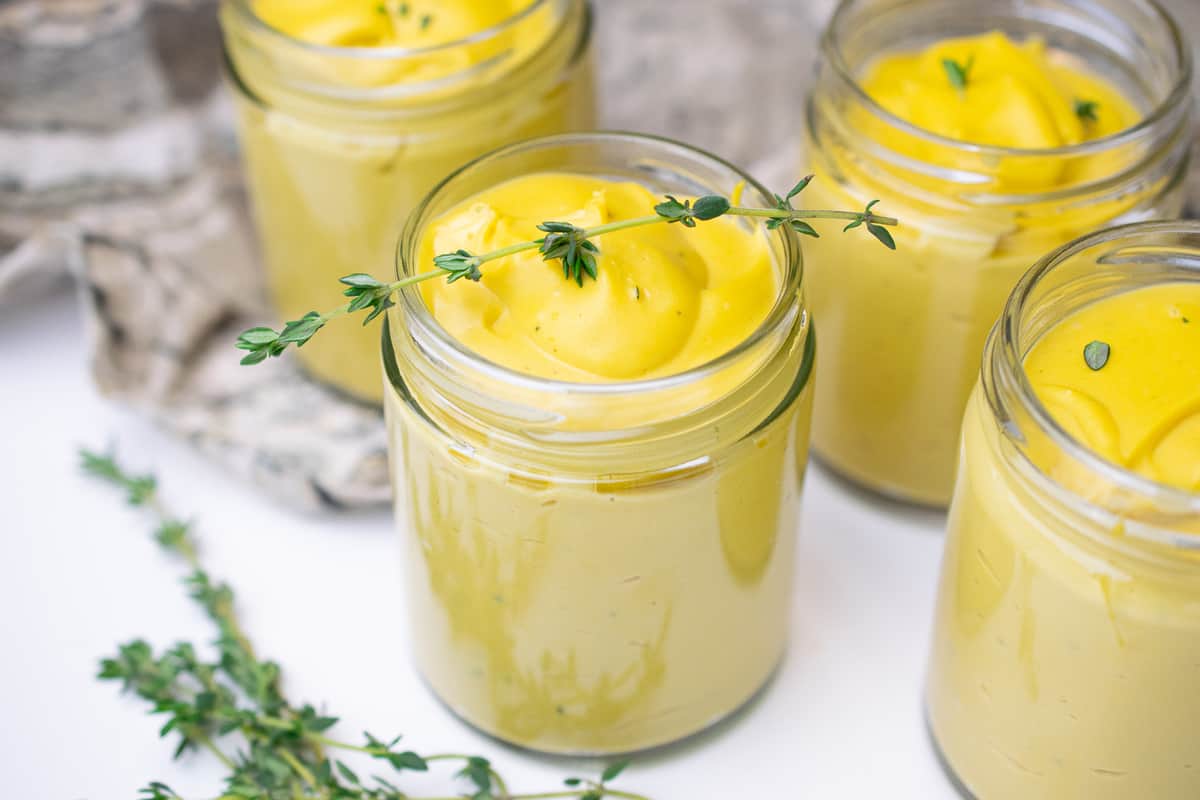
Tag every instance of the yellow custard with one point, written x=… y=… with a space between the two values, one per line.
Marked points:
x=1067 y=635
x=350 y=112
x=428 y=26
x=669 y=298
x=1141 y=408
x=395 y=23
x=902 y=333
x=1013 y=94
x=606 y=569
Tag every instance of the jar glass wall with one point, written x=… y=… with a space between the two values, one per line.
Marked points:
x=902 y=333
x=1067 y=635
x=341 y=143
x=598 y=568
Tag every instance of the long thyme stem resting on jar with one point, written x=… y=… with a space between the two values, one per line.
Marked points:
x=570 y=245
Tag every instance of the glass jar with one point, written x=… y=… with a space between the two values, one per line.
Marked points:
x=598 y=568
x=902 y=332
x=341 y=143
x=1066 y=650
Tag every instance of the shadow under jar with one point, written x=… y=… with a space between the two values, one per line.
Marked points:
x=902 y=333
x=598 y=568
x=340 y=143
x=1066 y=652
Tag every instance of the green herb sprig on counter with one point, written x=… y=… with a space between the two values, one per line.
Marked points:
x=568 y=244
x=281 y=751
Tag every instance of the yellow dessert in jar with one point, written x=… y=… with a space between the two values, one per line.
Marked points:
x=1067 y=635
x=350 y=112
x=669 y=298
x=994 y=149
x=597 y=485
x=1133 y=397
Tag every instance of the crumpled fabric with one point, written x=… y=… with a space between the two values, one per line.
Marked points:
x=118 y=169
x=118 y=172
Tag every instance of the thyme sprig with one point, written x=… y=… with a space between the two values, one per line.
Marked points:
x=959 y=72
x=569 y=244
x=283 y=750
x=1087 y=110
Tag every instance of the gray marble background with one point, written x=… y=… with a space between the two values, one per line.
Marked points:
x=727 y=75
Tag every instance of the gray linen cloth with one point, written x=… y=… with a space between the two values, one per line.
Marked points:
x=117 y=165
x=118 y=168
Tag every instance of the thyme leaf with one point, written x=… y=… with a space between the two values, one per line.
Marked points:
x=959 y=73
x=1087 y=110
x=1096 y=354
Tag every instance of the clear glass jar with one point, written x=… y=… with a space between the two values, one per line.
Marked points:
x=902 y=333
x=338 y=153
x=1066 y=652
x=598 y=568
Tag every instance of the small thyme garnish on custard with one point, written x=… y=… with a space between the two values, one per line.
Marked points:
x=1096 y=355
x=568 y=244
x=1087 y=110
x=234 y=706
x=958 y=73
x=402 y=9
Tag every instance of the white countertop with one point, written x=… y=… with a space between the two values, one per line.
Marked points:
x=79 y=573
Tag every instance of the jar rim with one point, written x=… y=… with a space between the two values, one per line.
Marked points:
x=1009 y=359
x=1174 y=99
x=420 y=317
x=246 y=9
